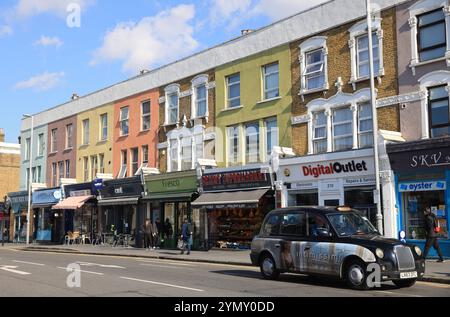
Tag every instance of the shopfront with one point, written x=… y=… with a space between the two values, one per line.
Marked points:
x=422 y=176
x=49 y=223
x=332 y=179
x=118 y=206
x=18 y=210
x=4 y=223
x=235 y=202
x=169 y=197
x=79 y=209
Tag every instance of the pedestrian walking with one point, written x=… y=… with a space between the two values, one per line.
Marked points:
x=186 y=236
x=148 y=233
x=155 y=236
x=431 y=230
x=168 y=230
x=160 y=235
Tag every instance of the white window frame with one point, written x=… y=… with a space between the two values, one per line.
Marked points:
x=360 y=29
x=94 y=166
x=61 y=165
x=101 y=163
x=123 y=164
x=430 y=80
x=39 y=174
x=266 y=137
x=67 y=168
x=41 y=144
x=144 y=162
x=198 y=81
x=54 y=174
x=248 y=146
x=358 y=50
x=265 y=75
x=146 y=116
x=54 y=140
x=69 y=136
x=318 y=139
x=309 y=46
x=123 y=120
x=134 y=163
x=337 y=101
x=86 y=131
x=334 y=125
x=360 y=119
x=171 y=151
x=86 y=168
x=230 y=136
x=228 y=106
x=419 y=8
x=171 y=90
x=104 y=127
x=183 y=141
x=28 y=149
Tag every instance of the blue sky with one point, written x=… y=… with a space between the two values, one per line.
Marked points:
x=43 y=60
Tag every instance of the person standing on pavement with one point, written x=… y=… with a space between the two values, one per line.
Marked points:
x=431 y=234
x=160 y=229
x=148 y=233
x=186 y=236
x=168 y=230
x=155 y=236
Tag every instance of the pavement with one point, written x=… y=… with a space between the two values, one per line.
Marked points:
x=74 y=273
x=435 y=272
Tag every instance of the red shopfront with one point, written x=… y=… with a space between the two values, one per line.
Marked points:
x=236 y=201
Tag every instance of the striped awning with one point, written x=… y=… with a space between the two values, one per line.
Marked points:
x=72 y=203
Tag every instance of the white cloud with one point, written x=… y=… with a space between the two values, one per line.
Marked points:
x=229 y=11
x=280 y=9
x=5 y=30
x=42 y=82
x=28 y=8
x=49 y=41
x=152 y=41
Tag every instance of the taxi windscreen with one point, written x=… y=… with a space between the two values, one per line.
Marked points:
x=349 y=224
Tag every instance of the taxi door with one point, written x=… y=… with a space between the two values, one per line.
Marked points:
x=319 y=254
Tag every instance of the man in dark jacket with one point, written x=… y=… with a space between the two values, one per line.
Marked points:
x=186 y=236
x=148 y=234
x=432 y=237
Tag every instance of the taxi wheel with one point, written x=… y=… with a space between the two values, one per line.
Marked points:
x=268 y=268
x=404 y=283
x=356 y=275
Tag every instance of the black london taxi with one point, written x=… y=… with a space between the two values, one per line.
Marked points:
x=335 y=242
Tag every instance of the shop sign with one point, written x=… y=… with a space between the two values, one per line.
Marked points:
x=365 y=180
x=122 y=188
x=51 y=196
x=301 y=186
x=80 y=193
x=421 y=160
x=422 y=186
x=164 y=184
x=235 y=180
x=351 y=168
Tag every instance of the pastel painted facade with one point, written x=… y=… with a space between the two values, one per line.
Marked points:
x=247 y=78
x=187 y=131
x=97 y=155
x=62 y=146
x=134 y=130
x=39 y=156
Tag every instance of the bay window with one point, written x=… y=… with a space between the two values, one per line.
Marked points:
x=173 y=155
x=186 y=153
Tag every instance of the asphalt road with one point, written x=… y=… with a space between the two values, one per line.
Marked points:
x=44 y=275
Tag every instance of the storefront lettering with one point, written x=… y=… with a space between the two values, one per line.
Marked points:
x=234 y=178
x=334 y=168
x=118 y=190
x=430 y=160
x=171 y=184
x=422 y=186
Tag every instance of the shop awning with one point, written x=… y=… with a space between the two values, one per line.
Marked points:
x=119 y=201
x=168 y=197
x=72 y=203
x=230 y=199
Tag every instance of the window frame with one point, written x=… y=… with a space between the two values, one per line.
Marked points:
x=86 y=131
x=419 y=49
x=316 y=139
x=266 y=91
x=299 y=213
x=86 y=168
x=305 y=73
x=104 y=127
x=69 y=136
x=234 y=142
x=189 y=144
x=123 y=121
x=54 y=174
x=360 y=133
x=41 y=145
x=247 y=144
x=123 y=172
x=228 y=86
x=358 y=51
x=54 y=141
x=268 y=132
x=67 y=168
x=101 y=163
x=145 y=117
x=430 y=117
x=27 y=149
x=134 y=160
x=333 y=125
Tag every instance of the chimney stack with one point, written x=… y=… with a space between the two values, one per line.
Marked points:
x=2 y=135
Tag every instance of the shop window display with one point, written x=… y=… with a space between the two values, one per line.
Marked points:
x=235 y=227
x=414 y=205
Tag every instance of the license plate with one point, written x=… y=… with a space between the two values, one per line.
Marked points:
x=406 y=275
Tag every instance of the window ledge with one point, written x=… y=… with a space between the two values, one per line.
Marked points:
x=268 y=100
x=53 y=153
x=361 y=79
x=68 y=149
x=311 y=91
x=418 y=64
x=232 y=108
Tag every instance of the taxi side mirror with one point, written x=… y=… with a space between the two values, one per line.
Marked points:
x=324 y=233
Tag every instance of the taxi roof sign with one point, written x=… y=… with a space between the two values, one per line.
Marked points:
x=344 y=208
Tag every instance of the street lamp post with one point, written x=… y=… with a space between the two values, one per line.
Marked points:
x=30 y=178
x=374 y=119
